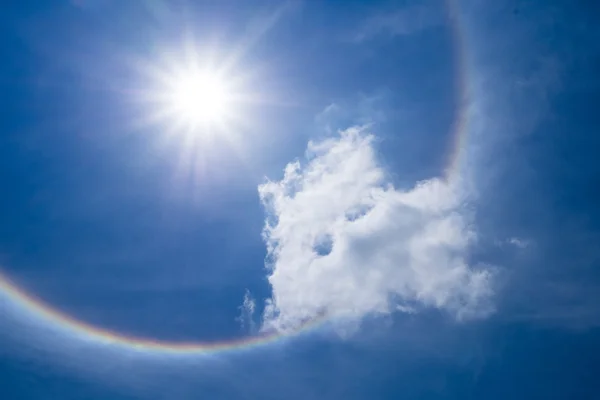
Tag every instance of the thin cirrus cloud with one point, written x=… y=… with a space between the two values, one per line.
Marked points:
x=247 y=309
x=401 y=22
x=344 y=243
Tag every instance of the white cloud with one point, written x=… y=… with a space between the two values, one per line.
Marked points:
x=343 y=242
x=247 y=309
x=519 y=242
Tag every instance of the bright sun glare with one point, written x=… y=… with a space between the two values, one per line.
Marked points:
x=196 y=97
x=199 y=97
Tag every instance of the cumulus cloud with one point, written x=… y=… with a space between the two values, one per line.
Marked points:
x=343 y=242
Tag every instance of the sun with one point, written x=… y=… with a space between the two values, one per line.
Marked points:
x=199 y=97
x=195 y=98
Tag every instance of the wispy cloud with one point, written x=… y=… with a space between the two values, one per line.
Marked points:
x=247 y=310
x=400 y=22
x=343 y=242
x=519 y=242
x=363 y=109
x=515 y=242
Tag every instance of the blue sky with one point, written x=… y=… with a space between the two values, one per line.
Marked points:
x=400 y=196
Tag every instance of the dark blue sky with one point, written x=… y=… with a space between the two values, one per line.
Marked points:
x=482 y=285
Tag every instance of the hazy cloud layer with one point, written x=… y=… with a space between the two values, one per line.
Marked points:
x=343 y=242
